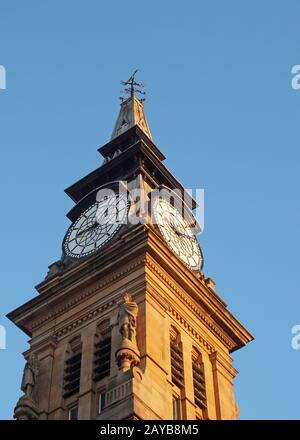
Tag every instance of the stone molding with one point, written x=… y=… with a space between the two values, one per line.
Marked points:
x=86 y=294
x=189 y=328
x=208 y=323
x=217 y=359
x=209 y=348
x=83 y=319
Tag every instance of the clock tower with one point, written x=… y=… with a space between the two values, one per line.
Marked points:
x=126 y=325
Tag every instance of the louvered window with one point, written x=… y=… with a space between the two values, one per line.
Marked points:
x=102 y=353
x=72 y=375
x=177 y=364
x=102 y=358
x=199 y=381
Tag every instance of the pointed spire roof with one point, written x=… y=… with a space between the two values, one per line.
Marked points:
x=131 y=113
x=132 y=110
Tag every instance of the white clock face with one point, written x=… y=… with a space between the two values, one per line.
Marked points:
x=178 y=234
x=96 y=226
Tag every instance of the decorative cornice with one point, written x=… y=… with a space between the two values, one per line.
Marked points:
x=88 y=293
x=173 y=334
x=43 y=348
x=189 y=303
x=83 y=319
x=196 y=335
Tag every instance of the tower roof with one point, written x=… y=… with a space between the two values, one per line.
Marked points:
x=131 y=113
x=132 y=110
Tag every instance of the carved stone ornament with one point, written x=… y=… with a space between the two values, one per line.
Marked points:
x=127 y=354
x=26 y=408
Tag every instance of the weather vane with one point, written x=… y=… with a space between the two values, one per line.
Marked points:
x=132 y=84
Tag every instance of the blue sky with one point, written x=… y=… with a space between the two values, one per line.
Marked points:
x=221 y=108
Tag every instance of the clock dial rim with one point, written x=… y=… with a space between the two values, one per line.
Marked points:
x=122 y=198
x=198 y=262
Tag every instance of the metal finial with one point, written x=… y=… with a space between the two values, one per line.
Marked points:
x=132 y=83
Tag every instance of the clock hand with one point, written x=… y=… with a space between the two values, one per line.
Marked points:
x=180 y=234
x=88 y=229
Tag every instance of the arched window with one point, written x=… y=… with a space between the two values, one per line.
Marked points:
x=102 y=351
x=72 y=368
x=199 y=384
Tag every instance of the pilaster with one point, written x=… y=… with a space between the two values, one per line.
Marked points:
x=223 y=375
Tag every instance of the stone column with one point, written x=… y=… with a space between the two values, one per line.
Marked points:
x=86 y=392
x=56 y=403
x=223 y=375
x=209 y=384
x=45 y=354
x=188 y=391
x=157 y=383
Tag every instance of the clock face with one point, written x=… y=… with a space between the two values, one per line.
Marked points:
x=178 y=234
x=96 y=226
